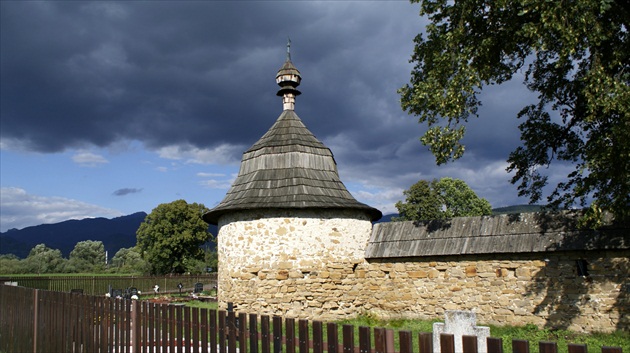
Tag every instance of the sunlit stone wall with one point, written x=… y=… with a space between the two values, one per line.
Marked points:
x=305 y=265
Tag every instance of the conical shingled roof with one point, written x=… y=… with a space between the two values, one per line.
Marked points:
x=288 y=168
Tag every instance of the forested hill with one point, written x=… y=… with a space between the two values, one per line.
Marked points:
x=115 y=233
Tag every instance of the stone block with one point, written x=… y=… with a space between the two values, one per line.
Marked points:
x=471 y=271
x=282 y=275
x=418 y=274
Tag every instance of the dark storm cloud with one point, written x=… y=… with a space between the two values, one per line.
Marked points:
x=126 y=191
x=79 y=73
x=201 y=74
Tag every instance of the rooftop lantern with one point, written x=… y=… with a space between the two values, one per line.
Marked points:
x=288 y=78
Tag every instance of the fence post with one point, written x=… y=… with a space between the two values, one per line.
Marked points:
x=135 y=326
x=35 y=319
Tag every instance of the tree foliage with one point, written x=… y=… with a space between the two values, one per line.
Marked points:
x=128 y=260
x=441 y=199
x=42 y=259
x=171 y=236
x=575 y=56
x=88 y=256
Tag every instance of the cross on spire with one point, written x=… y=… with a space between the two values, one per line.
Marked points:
x=288 y=49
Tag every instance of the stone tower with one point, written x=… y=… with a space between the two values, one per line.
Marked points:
x=288 y=220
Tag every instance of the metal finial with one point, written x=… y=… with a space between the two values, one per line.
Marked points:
x=288 y=49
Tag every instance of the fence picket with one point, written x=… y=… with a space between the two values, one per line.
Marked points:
x=193 y=330
x=406 y=344
x=290 y=335
x=333 y=337
x=447 y=343
x=39 y=320
x=520 y=346
x=213 y=331
x=425 y=342
x=365 y=345
x=348 y=338
x=277 y=334
x=547 y=347
x=318 y=337
x=242 y=332
x=204 y=327
x=253 y=333
x=576 y=348
x=303 y=336
x=265 y=334
x=171 y=328
x=187 y=337
x=180 y=328
x=495 y=345
x=379 y=341
x=469 y=344
x=222 y=332
x=606 y=349
x=231 y=332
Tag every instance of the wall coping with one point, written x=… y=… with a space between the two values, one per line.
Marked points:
x=512 y=233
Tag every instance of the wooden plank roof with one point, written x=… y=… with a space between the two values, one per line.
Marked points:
x=516 y=233
x=288 y=167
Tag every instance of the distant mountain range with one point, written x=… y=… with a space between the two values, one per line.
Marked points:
x=115 y=233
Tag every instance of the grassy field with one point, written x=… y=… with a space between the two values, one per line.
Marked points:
x=530 y=333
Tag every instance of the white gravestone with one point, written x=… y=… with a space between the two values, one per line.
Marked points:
x=460 y=323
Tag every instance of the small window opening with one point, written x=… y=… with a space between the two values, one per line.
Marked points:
x=582 y=267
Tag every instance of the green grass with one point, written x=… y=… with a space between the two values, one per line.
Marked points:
x=531 y=333
x=201 y=305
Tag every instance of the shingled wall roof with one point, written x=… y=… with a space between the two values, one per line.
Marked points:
x=288 y=168
x=516 y=233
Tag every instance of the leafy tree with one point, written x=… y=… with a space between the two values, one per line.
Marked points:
x=575 y=55
x=441 y=199
x=212 y=259
x=128 y=260
x=11 y=264
x=42 y=259
x=87 y=256
x=171 y=236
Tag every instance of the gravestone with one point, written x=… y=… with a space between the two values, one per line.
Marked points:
x=460 y=323
x=76 y=291
x=198 y=287
x=117 y=293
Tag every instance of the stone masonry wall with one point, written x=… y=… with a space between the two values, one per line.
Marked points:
x=514 y=289
x=266 y=258
x=503 y=290
x=294 y=264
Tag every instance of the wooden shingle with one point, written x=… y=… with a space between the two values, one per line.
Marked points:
x=517 y=233
x=288 y=168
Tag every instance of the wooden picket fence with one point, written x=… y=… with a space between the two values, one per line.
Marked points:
x=99 y=285
x=46 y=321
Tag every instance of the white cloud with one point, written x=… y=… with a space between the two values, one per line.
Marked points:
x=216 y=184
x=222 y=154
x=89 y=159
x=210 y=175
x=18 y=209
